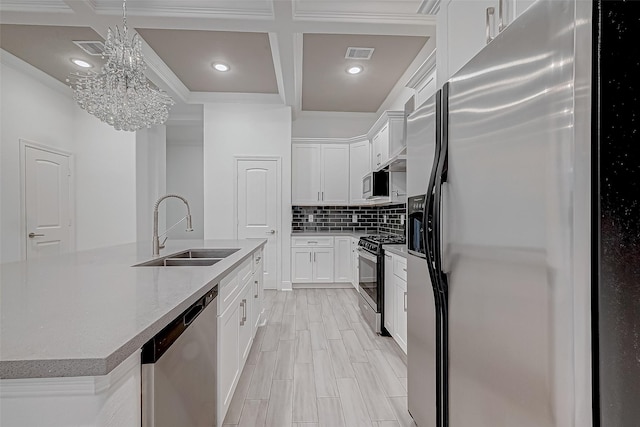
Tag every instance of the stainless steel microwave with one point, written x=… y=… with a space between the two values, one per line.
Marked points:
x=375 y=184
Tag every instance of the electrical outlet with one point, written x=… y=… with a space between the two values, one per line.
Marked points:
x=401 y=219
x=354 y=218
x=385 y=218
x=310 y=217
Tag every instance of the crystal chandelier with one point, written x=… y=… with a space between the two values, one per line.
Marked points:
x=120 y=94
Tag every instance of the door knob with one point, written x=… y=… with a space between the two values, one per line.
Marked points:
x=32 y=235
x=271 y=232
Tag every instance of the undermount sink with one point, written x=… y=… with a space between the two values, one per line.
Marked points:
x=190 y=258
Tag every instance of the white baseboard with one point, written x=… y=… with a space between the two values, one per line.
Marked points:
x=322 y=286
x=286 y=286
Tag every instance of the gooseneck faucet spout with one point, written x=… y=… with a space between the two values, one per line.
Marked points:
x=156 y=238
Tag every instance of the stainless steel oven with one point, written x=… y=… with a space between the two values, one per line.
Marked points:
x=369 y=288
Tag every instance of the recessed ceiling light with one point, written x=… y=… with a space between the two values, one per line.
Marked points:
x=356 y=69
x=220 y=66
x=81 y=63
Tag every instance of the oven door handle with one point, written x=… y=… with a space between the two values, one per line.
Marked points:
x=366 y=255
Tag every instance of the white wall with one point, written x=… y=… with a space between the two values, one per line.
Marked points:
x=150 y=184
x=185 y=176
x=244 y=130
x=39 y=109
x=317 y=124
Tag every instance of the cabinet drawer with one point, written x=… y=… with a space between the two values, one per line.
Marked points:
x=321 y=241
x=244 y=271
x=227 y=291
x=400 y=267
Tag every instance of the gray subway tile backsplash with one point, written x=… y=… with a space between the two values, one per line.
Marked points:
x=340 y=219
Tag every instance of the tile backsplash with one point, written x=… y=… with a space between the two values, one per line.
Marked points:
x=370 y=219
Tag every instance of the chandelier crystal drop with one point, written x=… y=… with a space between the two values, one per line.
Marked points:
x=120 y=94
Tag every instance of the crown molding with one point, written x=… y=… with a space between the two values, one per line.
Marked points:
x=350 y=140
x=52 y=6
x=16 y=63
x=423 y=71
x=429 y=7
x=367 y=18
x=183 y=11
x=234 y=98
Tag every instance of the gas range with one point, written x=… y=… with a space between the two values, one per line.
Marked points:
x=374 y=242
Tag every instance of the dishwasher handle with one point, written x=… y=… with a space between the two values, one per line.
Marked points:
x=192 y=313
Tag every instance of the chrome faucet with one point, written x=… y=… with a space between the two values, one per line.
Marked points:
x=156 y=238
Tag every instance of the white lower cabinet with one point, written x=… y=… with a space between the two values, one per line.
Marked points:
x=342 y=260
x=389 y=293
x=400 y=319
x=228 y=357
x=312 y=259
x=355 y=278
x=237 y=322
x=323 y=265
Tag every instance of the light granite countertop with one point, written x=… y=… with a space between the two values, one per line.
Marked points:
x=82 y=314
x=400 y=250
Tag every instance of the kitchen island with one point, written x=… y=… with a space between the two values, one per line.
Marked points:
x=73 y=324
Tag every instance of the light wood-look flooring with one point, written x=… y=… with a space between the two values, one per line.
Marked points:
x=317 y=363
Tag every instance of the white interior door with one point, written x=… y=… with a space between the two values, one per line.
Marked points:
x=48 y=227
x=258 y=205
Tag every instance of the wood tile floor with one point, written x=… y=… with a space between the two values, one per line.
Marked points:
x=317 y=363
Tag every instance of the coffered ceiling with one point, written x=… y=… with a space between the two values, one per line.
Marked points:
x=279 y=51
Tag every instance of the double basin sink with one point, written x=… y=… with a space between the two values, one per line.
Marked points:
x=190 y=258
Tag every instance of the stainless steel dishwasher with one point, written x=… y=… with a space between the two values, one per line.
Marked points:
x=179 y=369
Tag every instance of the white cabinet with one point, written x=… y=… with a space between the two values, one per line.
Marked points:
x=355 y=278
x=320 y=174
x=359 y=166
x=462 y=30
x=389 y=293
x=400 y=319
x=380 y=144
x=387 y=138
x=335 y=174
x=306 y=173
x=239 y=310
x=312 y=265
x=342 y=259
x=228 y=357
x=395 y=298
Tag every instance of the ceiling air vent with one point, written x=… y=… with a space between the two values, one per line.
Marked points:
x=95 y=48
x=363 y=53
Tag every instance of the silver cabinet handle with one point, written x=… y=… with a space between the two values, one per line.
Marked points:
x=312 y=242
x=242 y=319
x=314 y=257
x=257 y=289
x=244 y=310
x=323 y=195
x=271 y=232
x=32 y=235
x=490 y=16
x=502 y=24
x=405 y=302
x=318 y=196
x=258 y=259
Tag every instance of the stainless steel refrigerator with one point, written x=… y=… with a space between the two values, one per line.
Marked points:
x=529 y=315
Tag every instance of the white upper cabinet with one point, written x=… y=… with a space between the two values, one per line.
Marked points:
x=359 y=166
x=466 y=26
x=320 y=174
x=335 y=174
x=387 y=138
x=305 y=165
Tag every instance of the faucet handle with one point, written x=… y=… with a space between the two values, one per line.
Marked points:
x=162 y=244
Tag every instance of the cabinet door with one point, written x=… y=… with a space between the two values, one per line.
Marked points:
x=376 y=157
x=245 y=305
x=342 y=260
x=228 y=356
x=384 y=144
x=257 y=295
x=359 y=166
x=389 y=293
x=354 y=263
x=335 y=174
x=305 y=170
x=302 y=265
x=323 y=265
x=400 y=320
x=466 y=31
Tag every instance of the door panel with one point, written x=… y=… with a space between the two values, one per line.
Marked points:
x=323 y=265
x=302 y=263
x=342 y=261
x=335 y=174
x=47 y=203
x=305 y=171
x=258 y=210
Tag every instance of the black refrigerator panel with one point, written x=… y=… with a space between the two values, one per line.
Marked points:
x=617 y=213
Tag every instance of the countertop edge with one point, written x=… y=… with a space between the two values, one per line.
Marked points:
x=400 y=250
x=95 y=367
